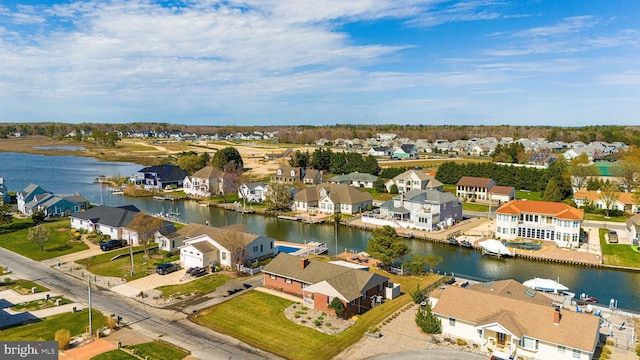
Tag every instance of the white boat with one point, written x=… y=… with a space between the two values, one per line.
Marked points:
x=494 y=247
x=545 y=285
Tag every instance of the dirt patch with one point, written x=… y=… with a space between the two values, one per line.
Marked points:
x=317 y=320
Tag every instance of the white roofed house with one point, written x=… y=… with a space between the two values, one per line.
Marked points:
x=414 y=179
x=421 y=209
x=209 y=246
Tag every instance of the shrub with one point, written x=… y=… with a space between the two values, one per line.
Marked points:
x=638 y=350
x=418 y=294
x=111 y=322
x=317 y=322
x=427 y=321
x=337 y=306
x=460 y=342
x=63 y=337
x=373 y=329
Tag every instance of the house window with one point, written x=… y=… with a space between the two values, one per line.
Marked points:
x=501 y=338
x=480 y=333
x=273 y=277
x=223 y=255
x=576 y=353
x=562 y=349
x=255 y=248
x=452 y=322
x=288 y=281
x=529 y=343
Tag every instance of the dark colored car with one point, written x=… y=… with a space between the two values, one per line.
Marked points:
x=112 y=244
x=166 y=268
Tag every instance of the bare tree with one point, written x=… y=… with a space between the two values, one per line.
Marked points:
x=39 y=235
x=145 y=226
x=278 y=196
x=580 y=171
x=629 y=169
x=232 y=179
x=609 y=195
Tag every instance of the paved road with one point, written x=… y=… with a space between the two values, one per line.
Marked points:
x=168 y=325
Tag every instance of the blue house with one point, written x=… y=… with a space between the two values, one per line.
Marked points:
x=4 y=193
x=35 y=198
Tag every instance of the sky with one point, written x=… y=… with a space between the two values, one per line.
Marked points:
x=317 y=62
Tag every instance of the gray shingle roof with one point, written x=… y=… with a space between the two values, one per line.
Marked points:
x=109 y=216
x=354 y=176
x=418 y=195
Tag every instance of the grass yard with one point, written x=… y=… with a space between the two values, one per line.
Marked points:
x=258 y=319
x=45 y=330
x=121 y=267
x=201 y=285
x=379 y=196
x=469 y=206
x=529 y=195
x=40 y=304
x=13 y=237
x=116 y=354
x=158 y=351
x=618 y=254
x=452 y=188
x=600 y=217
x=22 y=286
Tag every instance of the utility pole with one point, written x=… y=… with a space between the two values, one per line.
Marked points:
x=131 y=254
x=90 y=320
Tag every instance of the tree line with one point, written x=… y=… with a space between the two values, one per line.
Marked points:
x=335 y=162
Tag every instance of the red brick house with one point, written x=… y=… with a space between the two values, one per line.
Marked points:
x=318 y=282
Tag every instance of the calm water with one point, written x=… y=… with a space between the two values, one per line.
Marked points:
x=68 y=174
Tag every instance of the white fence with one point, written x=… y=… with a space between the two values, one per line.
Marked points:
x=249 y=271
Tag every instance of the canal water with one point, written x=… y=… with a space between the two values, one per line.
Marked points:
x=69 y=174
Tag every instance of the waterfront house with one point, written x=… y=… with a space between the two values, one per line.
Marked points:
x=318 y=283
x=288 y=175
x=332 y=199
x=160 y=176
x=541 y=220
x=474 y=188
x=205 y=182
x=406 y=151
x=34 y=198
x=413 y=179
x=515 y=322
x=419 y=209
x=107 y=220
x=621 y=201
x=633 y=229
x=312 y=177
x=210 y=246
x=4 y=193
x=355 y=179
x=254 y=191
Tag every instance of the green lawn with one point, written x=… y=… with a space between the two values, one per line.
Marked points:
x=469 y=206
x=618 y=254
x=258 y=319
x=14 y=237
x=529 y=195
x=600 y=217
x=452 y=188
x=76 y=323
x=379 y=196
x=40 y=304
x=121 y=267
x=158 y=351
x=202 y=285
x=116 y=354
x=22 y=286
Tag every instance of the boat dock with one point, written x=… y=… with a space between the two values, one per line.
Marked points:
x=312 y=248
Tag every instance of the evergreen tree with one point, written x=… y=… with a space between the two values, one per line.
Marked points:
x=321 y=159
x=552 y=192
x=226 y=156
x=379 y=185
x=428 y=321
x=386 y=245
x=370 y=166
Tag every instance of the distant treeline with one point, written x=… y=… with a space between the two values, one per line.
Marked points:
x=310 y=134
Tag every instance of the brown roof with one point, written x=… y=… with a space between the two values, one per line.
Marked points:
x=421 y=175
x=338 y=193
x=503 y=190
x=575 y=330
x=513 y=290
x=225 y=237
x=204 y=246
x=635 y=219
x=559 y=210
x=347 y=281
x=474 y=181
x=623 y=197
x=207 y=172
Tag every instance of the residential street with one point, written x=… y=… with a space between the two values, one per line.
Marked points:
x=168 y=325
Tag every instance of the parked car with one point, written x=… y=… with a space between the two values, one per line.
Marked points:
x=613 y=237
x=166 y=268
x=112 y=244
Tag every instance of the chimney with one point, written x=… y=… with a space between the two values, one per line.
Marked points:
x=557 y=316
x=304 y=262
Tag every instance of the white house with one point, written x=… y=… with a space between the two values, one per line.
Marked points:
x=253 y=192
x=474 y=188
x=222 y=246
x=204 y=182
x=621 y=201
x=331 y=199
x=502 y=194
x=542 y=220
x=412 y=180
x=502 y=318
x=355 y=179
x=379 y=151
x=107 y=220
x=420 y=209
x=633 y=229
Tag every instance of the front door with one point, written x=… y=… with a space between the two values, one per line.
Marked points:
x=501 y=337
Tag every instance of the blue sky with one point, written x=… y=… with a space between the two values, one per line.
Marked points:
x=274 y=62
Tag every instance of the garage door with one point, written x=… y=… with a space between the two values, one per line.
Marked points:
x=189 y=260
